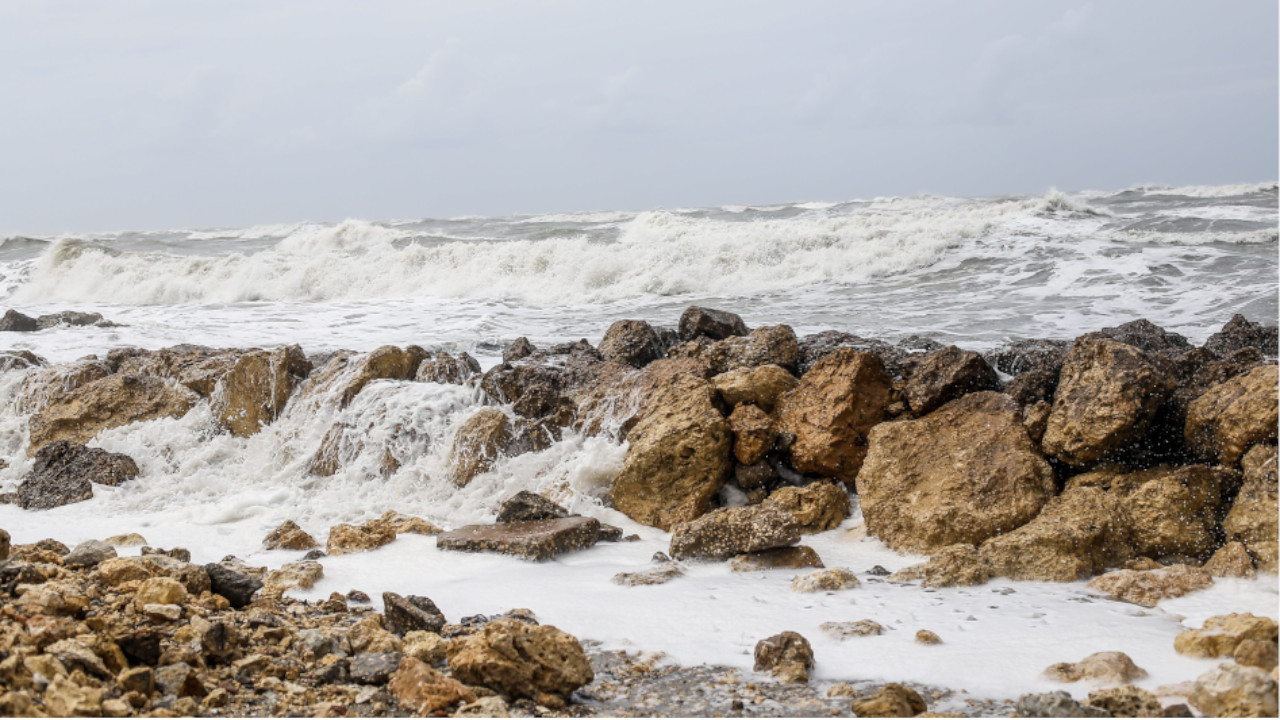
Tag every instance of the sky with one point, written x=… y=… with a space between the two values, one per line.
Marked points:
x=139 y=114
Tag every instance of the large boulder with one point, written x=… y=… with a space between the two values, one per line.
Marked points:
x=831 y=412
x=1252 y=519
x=109 y=402
x=1175 y=512
x=716 y=324
x=632 y=342
x=14 y=321
x=481 y=440
x=760 y=386
x=770 y=345
x=817 y=507
x=962 y=474
x=1078 y=534
x=63 y=473
x=679 y=455
x=1240 y=334
x=520 y=660
x=1146 y=336
x=727 y=532
x=1107 y=395
x=946 y=375
x=1232 y=690
x=256 y=389
x=195 y=367
x=787 y=656
x=1229 y=417
x=347 y=374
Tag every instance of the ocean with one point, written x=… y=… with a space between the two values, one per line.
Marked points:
x=971 y=272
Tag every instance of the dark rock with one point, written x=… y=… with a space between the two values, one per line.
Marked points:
x=631 y=342
x=88 y=554
x=1239 y=334
x=610 y=533
x=525 y=506
x=1180 y=710
x=755 y=476
x=1146 y=336
x=534 y=540
x=181 y=554
x=14 y=321
x=819 y=345
x=715 y=324
x=1033 y=386
x=20 y=360
x=1024 y=356
x=879 y=571
x=141 y=645
x=374 y=668
x=179 y=679
x=448 y=370
x=232 y=583
x=219 y=642
x=1057 y=704
x=406 y=614
x=946 y=375
x=518 y=350
x=332 y=674
x=799 y=556
x=787 y=655
x=69 y=317
x=507 y=383
x=63 y=471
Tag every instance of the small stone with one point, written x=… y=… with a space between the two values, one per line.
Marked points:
x=525 y=506
x=232 y=583
x=1057 y=704
x=374 y=668
x=345 y=538
x=160 y=591
x=787 y=656
x=289 y=537
x=126 y=540
x=658 y=576
x=830 y=579
x=158 y=612
x=424 y=691
x=855 y=628
x=1149 y=587
x=892 y=700
x=403 y=615
x=426 y=646
x=732 y=531
x=1106 y=668
x=88 y=554
x=796 y=557
x=1126 y=701
x=928 y=637
x=137 y=679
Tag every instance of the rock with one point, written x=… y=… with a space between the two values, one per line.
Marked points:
x=715 y=324
x=532 y=540
x=62 y=473
x=70 y=318
x=161 y=613
x=855 y=628
x=1239 y=334
x=679 y=456
x=631 y=342
x=518 y=350
x=755 y=476
x=346 y=375
x=826 y=580
x=179 y=679
x=1108 y=394
x=160 y=591
x=138 y=679
x=1257 y=653
x=520 y=660
x=727 y=532
x=374 y=668
x=772 y=345
x=481 y=440
x=490 y=706
x=753 y=433
x=126 y=540
x=953 y=565
x=817 y=507
x=1034 y=388
x=445 y=369
x=398 y=523
x=815 y=347
x=1078 y=534
x=232 y=583
x=1149 y=587
x=14 y=321
x=525 y=506
x=64 y=698
x=1222 y=634
x=1176 y=513
x=760 y=386
x=369 y=636
x=289 y=537
x=4 y=545
x=946 y=375
x=1104 y=668
x=831 y=412
x=787 y=656
x=302 y=574
x=928 y=637
x=1231 y=560
x=1232 y=690
x=117 y=571
x=662 y=574
x=194 y=367
x=1229 y=417
x=75 y=655
x=371 y=535
x=258 y=386
x=422 y=690
x=799 y=556
x=110 y=402
x=1057 y=704
x=892 y=700
x=1252 y=519
x=403 y=615
x=964 y=473
x=1146 y=336
x=1030 y=356
x=426 y=646
x=87 y=554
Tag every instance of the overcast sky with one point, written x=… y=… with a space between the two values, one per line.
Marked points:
x=139 y=115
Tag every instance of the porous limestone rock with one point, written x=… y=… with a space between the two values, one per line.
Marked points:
x=760 y=386
x=481 y=440
x=1078 y=534
x=301 y=574
x=1233 y=690
x=1057 y=704
x=770 y=345
x=1102 y=668
x=631 y=342
x=787 y=656
x=826 y=580
x=1175 y=512
x=1221 y=634
x=348 y=373
x=423 y=690
x=531 y=540
x=109 y=402
x=1253 y=518
x=753 y=433
x=1149 y=587
x=445 y=369
x=795 y=557
x=1126 y=701
x=852 y=628
x=1231 y=560
x=345 y=538
x=958 y=564
x=731 y=531
x=63 y=473
x=817 y=507
x=928 y=637
x=289 y=537
x=945 y=375
x=704 y=322
x=405 y=614
x=520 y=660
x=1231 y=416
x=257 y=387
x=160 y=591
x=525 y=506
x=892 y=700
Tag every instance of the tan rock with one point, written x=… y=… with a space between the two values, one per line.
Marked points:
x=369 y=636
x=448 y=370
x=620 y=396
x=760 y=386
x=64 y=698
x=953 y=565
x=344 y=538
x=787 y=656
x=817 y=507
x=1078 y=534
x=1253 y=518
x=289 y=537
x=769 y=345
x=1232 y=690
x=1126 y=701
x=423 y=690
x=1222 y=633
x=347 y=374
x=1108 y=392
x=109 y=402
x=854 y=628
x=1231 y=560
x=119 y=570
x=195 y=367
x=1149 y=587
x=161 y=591
x=799 y=556
x=962 y=474
x=632 y=342
x=481 y=440
x=827 y=580
x=51 y=598
x=679 y=456
x=1257 y=653
x=1103 y=668
x=831 y=412
x=892 y=700
x=254 y=392
x=753 y=433
x=532 y=540
x=1175 y=512
x=726 y=532
x=520 y=660
x=126 y=540
x=660 y=575
x=302 y=574
x=928 y=637
x=58 y=383
x=407 y=524
x=1229 y=417
x=490 y=706
x=426 y=646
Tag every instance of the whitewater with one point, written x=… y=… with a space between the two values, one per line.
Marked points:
x=971 y=272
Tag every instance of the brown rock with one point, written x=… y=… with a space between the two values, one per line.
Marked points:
x=422 y=690
x=704 y=322
x=679 y=456
x=799 y=556
x=344 y=538
x=631 y=342
x=618 y=396
x=1231 y=560
x=120 y=570
x=531 y=540
x=525 y=506
x=1126 y=701
x=928 y=637
x=753 y=433
x=1253 y=516
x=64 y=698
x=481 y=440
x=771 y=345
x=445 y=369
x=1176 y=512
x=1107 y=395
x=4 y=545
x=520 y=660
x=964 y=473
x=1149 y=587
x=110 y=402
x=946 y=375
x=302 y=574
x=1257 y=653
x=1078 y=534
x=760 y=386
x=1221 y=634
x=1106 y=668
x=347 y=374
x=58 y=383
x=826 y=580
x=160 y=591
x=854 y=628
x=787 y=656
x=400 y=523
x=732 y=531
x=831 y=412
x=63 y=472
x=817 y=507
x=953 y=565
x=1232 y=690
x=1229 y=417
x=424 y=645
x=892 y=700
x=414 y=613
x=195 y=367
x=254 y=392
x=368 y=636
x=289 y=537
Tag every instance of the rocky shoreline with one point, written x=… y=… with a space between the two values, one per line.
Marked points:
x=1128 y=456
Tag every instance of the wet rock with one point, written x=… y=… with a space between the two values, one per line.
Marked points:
x=771 y=345
x=831 y=412
x=1222 y=634
x=1252 y=519
x=375 y=668
x=726 y=532
x=14 y=321
x=518 y=350
x=892 y=700
x=753 y=433
x=1106 y=668
x=787 y=656
x=799 y=556
x=1108 y=394
x=1240 y=334
x=1229 y=417
x=232 y=583
x=257 y=387
x=1146 y=336
x=1078 y=534
x=715 y=324
x=760 y=386
x=63 y=472
x=525 y=506
x=445 y=369
x=815 y=347
x=370 y=535
x=1030 y=356
x=854 y=628
x=1231 y=560
x=964 y=473
x=399 y=523
x=531 y=540
x=195 y=367
x=403 y=615
x=422 y=690
x=826 y=580
x=1149 y=587
x=289 y=537
x=1034 y=388
x=817 y=507
x=481 y=440
x=70 y=318
x=631 y=342
x=1057 y=704
x=110 y=402
x=679 y=456
x=520 y=660
x=87 y=554
x=1232 y=690
x=953 y=565
x=755 y=476
x=347 y=375
x=946 y=375
x=1176 y=513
